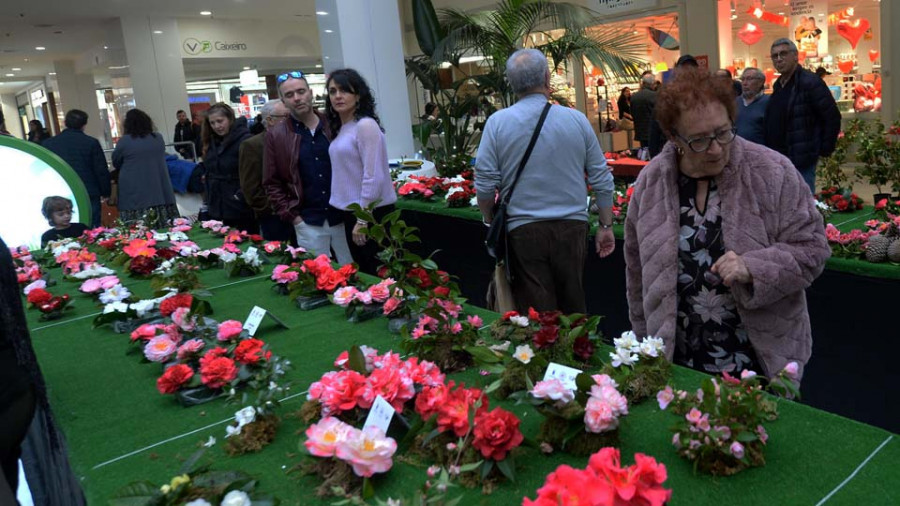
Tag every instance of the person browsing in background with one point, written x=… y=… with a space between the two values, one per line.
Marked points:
x=722 y=238
x=802 y=118
x=642 y=104
x=297 y=173
x=185 y=132
x=657 y=137
x=3 y=130
x=548 y=218
x=726 y=77
x=84 y=154
x=36 y=132
x=222 y=138
x=250 y=167
x=751 y=106
x=358 y=158
x=626 y=120
x=58 y=211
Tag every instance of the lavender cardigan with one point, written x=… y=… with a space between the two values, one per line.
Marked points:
x=768 y=218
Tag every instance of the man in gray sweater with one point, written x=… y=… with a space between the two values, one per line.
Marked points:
x=547 y=213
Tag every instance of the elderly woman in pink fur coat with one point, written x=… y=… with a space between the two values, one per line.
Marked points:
x=722 y=238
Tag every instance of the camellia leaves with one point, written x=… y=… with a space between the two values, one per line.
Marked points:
x=356 y=360
x=481 y=354
x=470 y=467
x=486 y=468
x=506 y=467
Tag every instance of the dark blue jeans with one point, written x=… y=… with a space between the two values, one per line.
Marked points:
x=273 y=229
x=95 y=211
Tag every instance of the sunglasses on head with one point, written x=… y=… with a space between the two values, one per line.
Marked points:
x=296 y=74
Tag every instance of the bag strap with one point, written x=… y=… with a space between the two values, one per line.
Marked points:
x=534 y=137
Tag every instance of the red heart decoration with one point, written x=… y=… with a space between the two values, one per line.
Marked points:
x=770 y=75
x=873 y=55
x=846 y=66
x=852 y=30
x=801 y=55
x=750 y=34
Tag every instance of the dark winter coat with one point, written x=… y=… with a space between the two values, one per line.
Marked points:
x=223 y=182
x=84 y=154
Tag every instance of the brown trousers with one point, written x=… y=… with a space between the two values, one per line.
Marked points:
x=546 y=260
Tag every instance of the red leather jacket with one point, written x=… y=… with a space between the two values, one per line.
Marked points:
x=281 y=175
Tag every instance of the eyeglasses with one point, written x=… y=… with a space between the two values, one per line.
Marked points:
x=701 y=144
x=295 y=74
x=782 y=54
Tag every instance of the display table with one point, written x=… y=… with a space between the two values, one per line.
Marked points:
x=626 y=167
x=120 y=429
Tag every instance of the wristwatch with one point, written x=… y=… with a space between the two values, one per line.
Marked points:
x=605 y=227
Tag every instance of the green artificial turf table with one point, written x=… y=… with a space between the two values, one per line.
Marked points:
x=120 y=429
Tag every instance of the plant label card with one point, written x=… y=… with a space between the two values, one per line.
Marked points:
x=380 y=415
x=565 y=374
x=251 y=325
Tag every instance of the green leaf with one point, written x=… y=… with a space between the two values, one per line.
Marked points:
x=486 y=468
x=368 y=491
x=429 y=31
x=528 y=384
x=493 y=386
x=482 y=355
x=470 y=467
x=431 y=435
x=139 y=493
x=357 y=360
x=189 y=465
x=507 y=468
x=584 y=382
x=746 y=437
x=429 y=264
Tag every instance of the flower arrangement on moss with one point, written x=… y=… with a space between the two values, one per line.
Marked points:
x=639 y=367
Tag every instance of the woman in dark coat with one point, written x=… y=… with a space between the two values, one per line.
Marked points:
x=36 y=132
x=222 y=137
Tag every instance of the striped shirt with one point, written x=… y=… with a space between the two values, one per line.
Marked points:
x=359 y=166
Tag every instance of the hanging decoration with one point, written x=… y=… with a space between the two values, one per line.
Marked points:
x=873 y=55
x=661 y=67
x=769 y=17
x=770 y=75
x=846 y=66
x=801 y=56
x=750 y=34
x=663 y=39
x=834 y=17
x=852 y=30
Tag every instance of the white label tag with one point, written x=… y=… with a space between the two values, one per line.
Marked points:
x=565 y=374
x=380 y=415
x=256 y=316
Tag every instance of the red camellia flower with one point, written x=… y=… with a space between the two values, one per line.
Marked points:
x=551 y=318
x=454 y=412
x=249 y=351
x=108 y=244
x=509 y=314
x=496 y=433
x=174 y=378
x=420 y=277
x=442 y=291
x=217 y=372
x=583 y=348
x=546 y=336
x=168 y=306
x=142 y=265
x=167 y=254
x=39 y=296
x=841 y=205
x=256 y=238
x=430 y=400
x=533 y=315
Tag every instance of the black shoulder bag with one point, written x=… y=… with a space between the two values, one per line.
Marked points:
x=496 y=235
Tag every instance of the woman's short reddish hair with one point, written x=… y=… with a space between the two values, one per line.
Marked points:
x=689 y=89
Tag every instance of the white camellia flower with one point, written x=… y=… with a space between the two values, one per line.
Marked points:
x=501 y=347
x=623 y=356
x=93 y=271
x=245 y=416
x=119 y=307
x=628 y=341
x=227 y=257
x=521 y=321
x=232 y=430
x=251 y=256
x=115 y=294
x=524 y=353
x=656 y=343
x=474 y=201
x=177 y=236
x=160 y=236
x=453 y=190
x=62 y=246
x=210 y=442
x=198 y=502
x=142 y=306
x=236 y=498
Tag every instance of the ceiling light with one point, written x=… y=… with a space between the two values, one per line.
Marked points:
x=206 y=13
x=246 y=68
x=40 y=48
x=157 y=32
x=329 y=31
x=318 y=65
x=10 y=75
x=105 y=47
x=321 y=13
x=16 y=69
x=52 y=74
x=734 y=16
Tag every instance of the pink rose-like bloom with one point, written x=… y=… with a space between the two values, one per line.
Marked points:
x=229 y=329
x=107 y=282
x=364 y=297
x=747 y=374
x=703 y=423
x=159 y=348
x=180 y=317
x=145 y=332
x=456 y=328
x=269 y=247
x=664 y=397
x=418 y=332
x=737 y=449
x=190 y=347
x=89 y=286
x=295 y=252
x=475 y=321
x=611 y=396
x=281 y=277
x=341 y=361
x=599 y=417
x=725 y=431
x=344 y=296
x=792 y=370
x=324 y=437
x=390 y=305
x=36 y=284
x=604 y=380
x=553 y=389
x=694 y=416
x=368 y=452
x=763 y=435
x=381 y=291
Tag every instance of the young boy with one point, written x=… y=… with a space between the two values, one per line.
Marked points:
x=58 y=211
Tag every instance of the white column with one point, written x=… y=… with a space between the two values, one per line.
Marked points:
x=366 y=36
x=890 y=62
x=699 y=31
x=157 y=74
x=726 y=39
x=78 y=91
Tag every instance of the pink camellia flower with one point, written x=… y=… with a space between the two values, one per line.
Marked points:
x=90 y=286
x=456 y=328
x=737 y=449
x=35 y=284
x=344 y=296
x=159 y=348
x=342 y=359
x=368 y=452
x=475 y=321
x=703 y=423
x=381 y=291
x=145 y=332
x=189 y=347
x=281 y=277
x=418 y=332
x=180 y=317
x=604 y=380
x=364 y=297
x=664 y=397
x=272 y=246
x=107 y=282
x=324 y=437
x=554 y=390
x=676 y=441
x=763 y=435
x=694 y=416
x=611 y=396
x=599 y=417
x=792 y=370
x=390 y=305
x=229 y=329
x=725 y=431
x=747 y=374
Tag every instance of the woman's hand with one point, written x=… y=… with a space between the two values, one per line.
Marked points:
x=358 y=237
x=732 y=269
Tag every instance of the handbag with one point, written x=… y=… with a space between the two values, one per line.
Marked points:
x=499 y=294
x=496 y=235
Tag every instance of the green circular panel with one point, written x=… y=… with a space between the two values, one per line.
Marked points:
x=28 y=174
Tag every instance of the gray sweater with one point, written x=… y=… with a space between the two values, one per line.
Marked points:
x=552 y=185
x=143 y=176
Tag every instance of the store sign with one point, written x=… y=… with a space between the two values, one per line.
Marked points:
x=195 y=47
x=808 y=28
x=609 y=7
x=37 y=94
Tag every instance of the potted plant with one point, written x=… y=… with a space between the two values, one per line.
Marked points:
x=881 y=157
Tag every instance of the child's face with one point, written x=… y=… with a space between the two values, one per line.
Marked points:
x=62 y=218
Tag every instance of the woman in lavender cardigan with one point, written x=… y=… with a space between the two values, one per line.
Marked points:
x=721 y=239
x=359 y=162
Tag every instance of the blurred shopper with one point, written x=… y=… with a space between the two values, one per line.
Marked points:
x=36 y=132
x=642 y=109
x=222 y=138
x=145 y=190
x=185 y=132
x=751 y=106
x=3 y=130
x=626 y=120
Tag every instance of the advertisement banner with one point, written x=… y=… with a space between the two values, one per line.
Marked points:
x=613 y=7
x=809 y=29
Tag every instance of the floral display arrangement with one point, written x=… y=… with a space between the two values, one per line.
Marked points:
x=604 y=482
x=443 y=334
x=196 y=485
x=840 y=200
x=51 y=306
x=720 y=427
x=457 y=191
x=525 y=344
x=639 y=367
x=311 y=281
x=361 y=305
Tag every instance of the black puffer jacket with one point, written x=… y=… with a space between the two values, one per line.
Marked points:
x=223 y=182
x=813 y=120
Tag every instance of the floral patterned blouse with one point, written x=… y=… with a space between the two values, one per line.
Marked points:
x=709 y=335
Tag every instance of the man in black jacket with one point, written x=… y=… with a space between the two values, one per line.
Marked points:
x=642 y=104
x=84 y=154
x=802 y=119
x=185 y=131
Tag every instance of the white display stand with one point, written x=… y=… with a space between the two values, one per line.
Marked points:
x=426 y=170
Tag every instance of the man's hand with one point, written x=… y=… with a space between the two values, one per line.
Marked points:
x=732 y=269
x=605 y=242
x=358 y=237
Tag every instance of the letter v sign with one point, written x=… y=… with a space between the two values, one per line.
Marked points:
x=192 y=46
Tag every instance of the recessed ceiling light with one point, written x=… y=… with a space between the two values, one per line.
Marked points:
x=10 y=75
x=734 y=16
x=206 y=13
x=321 y=13
x=318 y=66
x=246 y=68
x=40 y=48
x=52 y=74
x=16 y=69
x=329 y=31
x=327 y=57
x=157 y=32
